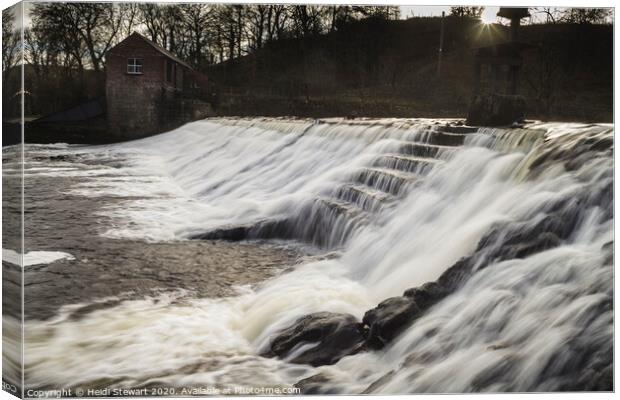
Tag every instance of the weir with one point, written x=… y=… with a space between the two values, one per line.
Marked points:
x=431 y=247
x=331 y=218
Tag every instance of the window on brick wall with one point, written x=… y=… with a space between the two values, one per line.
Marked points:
x=134 y=65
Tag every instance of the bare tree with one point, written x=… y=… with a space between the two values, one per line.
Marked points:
x=10 y=43
x=383 y=12
x=130 y=20
x=226 y=34
x=470 y=12
x=278 y=18
x=551 y=15
x=258 y=20
x=195 y=20
x=152 y=17
x=585 y=16
x=307 y=19
x=55 y=23
x=82 y=29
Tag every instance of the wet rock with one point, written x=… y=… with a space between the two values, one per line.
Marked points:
x=329 y=337
x=233 y=234
x=489 y=376
x=608 y=248
x=573 y=153
x=427 y=294
x=598 y=380
x=452 y=278
x=352 y=115
x=316 y=384
x=264 y=229
x=392 y=316
x=337 y=335
x=604 y=143
x=525 y=248
x=458 y=129
x=62 y=157
x=376 y=385
x=389 y=319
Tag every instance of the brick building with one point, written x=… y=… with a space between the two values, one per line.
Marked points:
x=150 y=90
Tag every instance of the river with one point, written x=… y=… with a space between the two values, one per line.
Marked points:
x=173 y=262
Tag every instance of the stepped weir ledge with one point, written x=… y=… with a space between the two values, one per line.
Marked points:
x=331 y=256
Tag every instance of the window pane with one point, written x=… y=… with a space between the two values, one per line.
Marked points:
x=134 y=65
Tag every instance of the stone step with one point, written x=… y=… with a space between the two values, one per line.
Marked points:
x=423 y=150
x=327 y=222
x=440 y=138
x=342 y=207
x=365 y=197
x=385 y=180
x=457 y=129
x=399 y=162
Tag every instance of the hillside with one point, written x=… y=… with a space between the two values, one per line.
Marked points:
x=381 y=68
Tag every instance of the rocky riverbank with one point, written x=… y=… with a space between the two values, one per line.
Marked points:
x=324 y=338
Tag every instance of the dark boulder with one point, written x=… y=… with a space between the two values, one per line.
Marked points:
x=389 y=319
x=457 y=129
x=452 y=278
x=537 y=244
x=263 y=229
x=376 y=385
x=331 y=337
x=544 y=241
x=316 y=384
x=334 y=336
x=232 y=234
x=608 y=249
x=427 y=294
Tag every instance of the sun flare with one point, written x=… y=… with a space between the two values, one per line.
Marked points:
x=488 y=18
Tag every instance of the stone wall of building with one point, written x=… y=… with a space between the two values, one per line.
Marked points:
x=134 y=100
x=153 y=101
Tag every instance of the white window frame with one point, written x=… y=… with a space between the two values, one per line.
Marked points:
x=135 y=66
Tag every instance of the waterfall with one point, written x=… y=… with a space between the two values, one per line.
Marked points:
x=394 y=204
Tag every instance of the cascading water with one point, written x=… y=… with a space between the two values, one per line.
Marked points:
x=514 y=226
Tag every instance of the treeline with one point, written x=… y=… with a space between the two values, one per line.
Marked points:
x=79 y=34
x=390 y=69
x=65 y=43
x=581 y=16
x=549 y=15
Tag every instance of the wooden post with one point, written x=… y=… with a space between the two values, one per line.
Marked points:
x=443 y=15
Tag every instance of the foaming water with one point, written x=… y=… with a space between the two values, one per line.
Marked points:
x=401 y=201
x=239 y=172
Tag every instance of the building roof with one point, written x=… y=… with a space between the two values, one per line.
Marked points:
x=159 y=49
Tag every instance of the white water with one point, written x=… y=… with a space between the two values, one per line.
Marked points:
x=512 y=316
x=34 y=257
